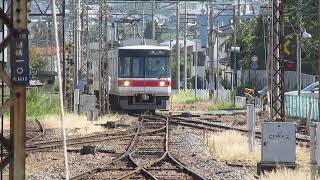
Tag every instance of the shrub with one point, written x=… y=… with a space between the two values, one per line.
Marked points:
x=39 y=103
x=185 y=97
x=221 y=106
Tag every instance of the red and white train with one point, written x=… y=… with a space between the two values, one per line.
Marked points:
x=140 y=77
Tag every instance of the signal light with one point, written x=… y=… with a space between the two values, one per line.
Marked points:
x=290 y=66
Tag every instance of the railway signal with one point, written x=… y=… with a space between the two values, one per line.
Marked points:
x=290 y=66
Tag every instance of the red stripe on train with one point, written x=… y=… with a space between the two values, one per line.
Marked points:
x=144 y=83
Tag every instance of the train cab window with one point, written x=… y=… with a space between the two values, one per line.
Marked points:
x=137 y=64
x=157 y=67
x=124 y=68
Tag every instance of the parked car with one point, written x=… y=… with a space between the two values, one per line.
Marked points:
x=311 y=90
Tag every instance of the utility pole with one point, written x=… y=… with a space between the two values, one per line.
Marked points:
x=298 y=34
x=19 y=64
x=239 y=8
x=217 y=76
x=103 y=62
x=143 y=27
x=78 y=45
x=185 y=46
x=319 y=63
x=178 y=45
x=211 y=53
x=196 y=64
x=235 y=77
x=85 y=41
x=278 y=111
x=153 y=23
x=63 y=52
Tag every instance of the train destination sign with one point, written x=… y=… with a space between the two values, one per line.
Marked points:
x=20 y=66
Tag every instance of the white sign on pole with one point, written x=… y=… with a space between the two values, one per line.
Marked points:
x=254 y=58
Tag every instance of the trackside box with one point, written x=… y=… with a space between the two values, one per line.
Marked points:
x=278 y=143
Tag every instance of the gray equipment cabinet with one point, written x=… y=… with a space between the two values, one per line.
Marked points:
x=278 y=146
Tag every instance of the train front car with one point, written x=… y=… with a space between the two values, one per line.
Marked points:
x=144 y=80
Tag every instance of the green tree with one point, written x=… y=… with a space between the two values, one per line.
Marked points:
x=36 y=63
x=250 y=40
x=174 y=67
x=250 y=34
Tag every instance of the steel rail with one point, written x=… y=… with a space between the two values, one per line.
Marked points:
x=164 y=157
x=56 y=144
x=143 y=170
x=42 y=132
x=81 y=138
x=124 y=155
x=202 y=125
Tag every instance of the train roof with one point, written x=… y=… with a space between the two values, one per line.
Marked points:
x=145 y=47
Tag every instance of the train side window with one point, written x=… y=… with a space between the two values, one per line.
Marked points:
x=124 y=67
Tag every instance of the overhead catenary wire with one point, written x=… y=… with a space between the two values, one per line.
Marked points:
x=56 y=39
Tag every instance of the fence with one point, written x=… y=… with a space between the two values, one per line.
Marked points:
x=223 y=96
x=259 y=79
x=301 y=107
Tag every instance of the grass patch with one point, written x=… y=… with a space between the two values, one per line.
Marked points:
x=286 y=174
x=233 y=146
x=185 y=97
x=79 y=123
x=185 y=100
x=40 y=103
x=222 y=106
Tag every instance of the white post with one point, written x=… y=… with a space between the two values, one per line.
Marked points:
x=313 y=162
x=316 y=148
x=309 y=115
x=251 y=126
x=76 y=101
x=196 y=68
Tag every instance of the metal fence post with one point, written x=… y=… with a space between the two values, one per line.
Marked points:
x=309 y=115
x=313 y=162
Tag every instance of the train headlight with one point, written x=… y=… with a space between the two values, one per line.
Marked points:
x=162 y=83
x=126 y=83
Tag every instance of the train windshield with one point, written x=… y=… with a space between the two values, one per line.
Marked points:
x=157 y=67
x=144 y=67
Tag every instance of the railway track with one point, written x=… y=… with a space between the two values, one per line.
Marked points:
x=201 y=124
x=147 y=156
x=90 y=139
x=42 y=132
